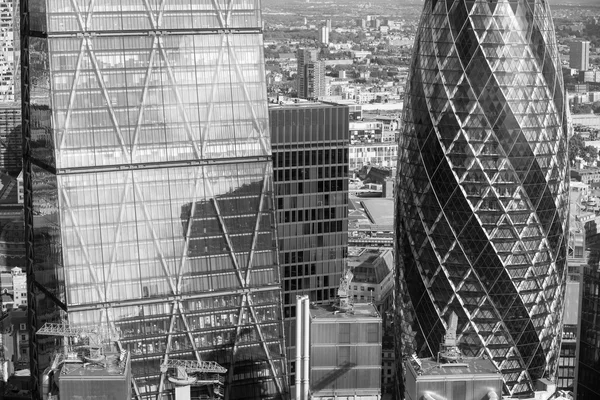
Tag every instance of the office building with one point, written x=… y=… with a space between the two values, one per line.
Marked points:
x=77 y=380
x=579 y=56
x=482 y=188
x=311 y=75
x=10 y=138
x=324 y=35
x=428 y=379
x=587 y=384
x=310 y=167
x=9 y=50
x=373 y=280
x=345 y=353
x=148 y=187
x=373 y=154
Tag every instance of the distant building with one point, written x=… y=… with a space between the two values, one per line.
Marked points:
x=587 y=76
x=365 y=132
x=9 y=50
x=10 y=138
x=311 y=75
x=19 y=287
x=588 y=175
x=579 y=56
x=310 y=166
x=367 y=154
x=345 y=356
x=324 y=34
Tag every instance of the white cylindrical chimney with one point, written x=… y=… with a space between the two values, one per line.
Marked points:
x=306 y=364
x=298 y=346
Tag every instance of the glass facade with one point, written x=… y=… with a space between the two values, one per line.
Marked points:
x=9 y=50
x=482 y=193
x=310 y=166
x=149 y=190
x=587 y=386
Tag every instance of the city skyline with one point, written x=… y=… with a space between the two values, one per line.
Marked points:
x=178 y=197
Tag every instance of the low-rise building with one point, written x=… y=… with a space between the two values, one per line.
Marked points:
x=368 y=154
x=373 y=280
x=587 y=175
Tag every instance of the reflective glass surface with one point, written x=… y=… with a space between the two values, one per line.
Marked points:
x=482 y=186
x=56 y=16
x=150 y=98
x=310 y=160
x=588 y=370
x=152 y=189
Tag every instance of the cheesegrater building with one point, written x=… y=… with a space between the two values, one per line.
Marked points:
x=482 y=200
x=148 y=175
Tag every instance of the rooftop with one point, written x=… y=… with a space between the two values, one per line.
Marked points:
x=371 y=213
x=370 y=265
x=111 y=367
x=299 y=104
x=361 y=311
x=467 y=366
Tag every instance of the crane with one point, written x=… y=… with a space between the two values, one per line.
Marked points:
x=97 y=340
x=81 y=346
x=185 y=373
x=344 y=291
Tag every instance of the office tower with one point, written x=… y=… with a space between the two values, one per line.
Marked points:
x=579 y=56
x=9 y=50
x=324 y=34
x=311 y=74
x=10 y=109
x=148 y=176
x=10 y=138
x=587 y=385
x=310 y=167
x=482 y=187
x=328 y=24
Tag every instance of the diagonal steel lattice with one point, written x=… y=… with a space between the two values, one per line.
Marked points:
x=483 y=201
x=160 y=64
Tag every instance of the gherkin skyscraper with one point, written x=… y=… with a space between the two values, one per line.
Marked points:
x=482 y=199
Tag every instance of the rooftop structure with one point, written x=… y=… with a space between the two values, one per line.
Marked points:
x=345 y=352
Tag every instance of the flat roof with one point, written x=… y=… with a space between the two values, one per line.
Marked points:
x=381 y=210
x=360 y=311
x=113 y=368
x=467 y=366
x=301 y=104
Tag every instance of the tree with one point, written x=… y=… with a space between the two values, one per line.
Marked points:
x=576 y=145
x=590 y=154
x=582 y=109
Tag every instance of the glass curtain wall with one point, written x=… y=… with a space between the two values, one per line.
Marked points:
x=482 y=199
x=150 y=205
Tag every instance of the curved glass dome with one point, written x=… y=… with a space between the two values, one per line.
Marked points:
x=482 y=199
